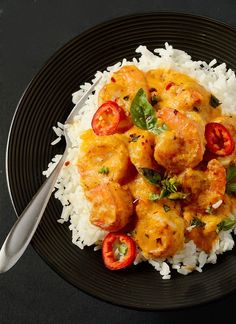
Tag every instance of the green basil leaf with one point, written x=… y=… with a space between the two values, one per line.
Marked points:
x=104 y=170
x=177 y=195
x=197 y=222
x=231 y=188
x=164 y=193
x=166 y=208
x=169 y=184
x=142 y=113
x=231 y=173
x=231 y=179
x=153 y=196
x=151 y=175
x=226 y=224
x=209 y=210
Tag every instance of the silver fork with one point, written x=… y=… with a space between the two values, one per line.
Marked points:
x=24 y=228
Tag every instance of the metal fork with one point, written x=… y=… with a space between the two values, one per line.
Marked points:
x=24 y=228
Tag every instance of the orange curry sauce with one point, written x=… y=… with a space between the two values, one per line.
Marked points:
x=112 y=167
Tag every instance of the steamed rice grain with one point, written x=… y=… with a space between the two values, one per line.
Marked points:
x=76 y=209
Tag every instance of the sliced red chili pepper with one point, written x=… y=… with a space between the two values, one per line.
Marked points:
x=169 y=85
x=109 y=119
x=118 y=251
x=219 y=140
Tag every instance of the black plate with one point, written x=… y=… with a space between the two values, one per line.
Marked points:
x=48 y=100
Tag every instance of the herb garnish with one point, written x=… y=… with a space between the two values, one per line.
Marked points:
x=231 y=179
x=170 y=189
x=104 y=170
x=134 y=137
x=231 y=173
x=178 y=195
x=153 y=196
x=166 y=208
x=151 y=175
x=226 y=224
x=214 y=102
x=197 y=222
x=209 y=210
x=231 y=188
x=168 y=186
x=144 y=115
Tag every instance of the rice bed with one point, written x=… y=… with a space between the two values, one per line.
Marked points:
x=76 y=209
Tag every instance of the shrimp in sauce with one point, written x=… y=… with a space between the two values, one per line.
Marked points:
x=110 y=165
x=182 y=145
x=206 y=187
x=123 y=86
x=181 y=92
x=159 y=231
x=112 y=206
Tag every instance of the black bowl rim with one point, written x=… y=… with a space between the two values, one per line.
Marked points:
x=37 y=73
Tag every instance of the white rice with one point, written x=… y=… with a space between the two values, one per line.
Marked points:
x=76 y=209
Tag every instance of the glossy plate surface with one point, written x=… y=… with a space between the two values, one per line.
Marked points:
x=48 y=100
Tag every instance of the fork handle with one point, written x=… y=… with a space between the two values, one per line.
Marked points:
x=24 y=228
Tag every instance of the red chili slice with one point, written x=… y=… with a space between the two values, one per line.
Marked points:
x=219 y=140
x=109 y=119
x=118 y=251
x=169 y=85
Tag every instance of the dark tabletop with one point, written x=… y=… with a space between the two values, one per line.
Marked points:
x=30 y=32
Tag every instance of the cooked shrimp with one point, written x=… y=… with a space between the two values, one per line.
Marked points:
x=123 y=87
x=160 y=230
x=216 y=180
x=105 y=164
x=204 y=234
x=141 y=189
x=179 y=91
x=206 y=187
x=98 y=153
x=112 y=206
x=182 y=145
x=203 y=240
x=141 y=147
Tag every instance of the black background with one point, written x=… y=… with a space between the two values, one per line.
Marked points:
x=30 y=32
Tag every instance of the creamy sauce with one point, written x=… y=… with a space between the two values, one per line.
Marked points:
x=110 y=165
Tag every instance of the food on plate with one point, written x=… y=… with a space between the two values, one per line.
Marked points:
x=118 y=251
x=159 y=232
x=123 y=86
x=112 y=206
x=109 y=119
x=151 y=175
x=182 y=144
x=219 y=139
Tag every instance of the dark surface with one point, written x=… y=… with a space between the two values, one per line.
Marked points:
x=48 y=100
x=32 y=31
